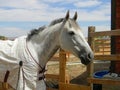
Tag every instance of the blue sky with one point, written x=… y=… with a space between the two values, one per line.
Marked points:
x=18 y=17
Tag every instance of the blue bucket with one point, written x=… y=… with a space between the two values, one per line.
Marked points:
x=100 y=74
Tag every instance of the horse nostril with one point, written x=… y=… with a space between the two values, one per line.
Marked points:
x=90 y=56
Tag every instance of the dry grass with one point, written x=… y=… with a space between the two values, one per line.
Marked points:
x=72 y=70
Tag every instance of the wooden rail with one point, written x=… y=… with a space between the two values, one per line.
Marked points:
x=52 y=76
x=105 y=33
x=112 y=57
x=110 y=81
x=64 y=86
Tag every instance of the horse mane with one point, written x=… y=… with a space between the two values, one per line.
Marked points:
x=56 y=21
x=35 y=32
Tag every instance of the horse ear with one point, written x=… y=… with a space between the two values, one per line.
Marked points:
x=67 y=15
x=75 y=16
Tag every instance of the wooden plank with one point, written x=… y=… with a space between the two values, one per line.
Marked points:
x=52 y=76
x=5 y=86
x=55 y=58
x=102 y=50
x=105 y=33
x=101 y=44
x=104 y=40
x=63 y=86
x=51 y=89
x=91 y=29
x=62 y=66
x=106 y=46
x=104 y=81
x=107 y=57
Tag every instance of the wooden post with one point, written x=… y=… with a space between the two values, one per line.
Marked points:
x=5 y=86
x=90 y=67
x=115 y=41
x=91 y=29
x=62 y=66
x=63 y=77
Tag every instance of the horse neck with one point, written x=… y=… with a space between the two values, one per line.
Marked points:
x=46 y=44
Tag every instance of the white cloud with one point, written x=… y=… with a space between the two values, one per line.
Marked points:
x=12 y=32
x=35 y=10
x=36 y=15
x=29 y=15
x=24 y=4
x=60 y=1
x=93 y=16
x=87 y=3
x=101 y=13
x=47 y=10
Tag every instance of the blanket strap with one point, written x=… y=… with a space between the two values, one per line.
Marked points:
x=43 y=76
x=21 y=63
x=20 y=68
x=32 y=56
x=42 y=68
x=6 y=76
x=5 y=84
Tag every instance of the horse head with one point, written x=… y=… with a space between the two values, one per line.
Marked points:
x=72 y=39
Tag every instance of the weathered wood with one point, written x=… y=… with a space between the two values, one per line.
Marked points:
x=52 y=76
x=51 y=89
x=64 y=86
x=62 y=66
x=106 y=46
x=115 y=57
x=91 y=29
x=54 y=59
x=64 y=78
x=5 y=86
x=105 y=33
x=102 y=44
x=104 y=81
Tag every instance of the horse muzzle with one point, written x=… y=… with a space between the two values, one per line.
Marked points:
x=86 y=58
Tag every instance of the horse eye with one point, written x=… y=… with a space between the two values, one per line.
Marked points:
x=71 y=33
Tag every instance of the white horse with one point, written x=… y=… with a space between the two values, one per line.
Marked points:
x=25 y=57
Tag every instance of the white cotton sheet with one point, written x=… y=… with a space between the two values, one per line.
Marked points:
x=24 y=78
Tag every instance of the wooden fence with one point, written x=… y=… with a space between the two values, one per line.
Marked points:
x=96 y=38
